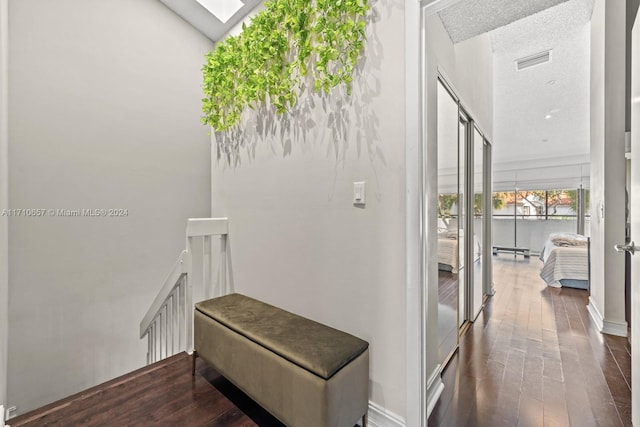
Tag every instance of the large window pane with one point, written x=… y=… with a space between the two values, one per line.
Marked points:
x=525 y=218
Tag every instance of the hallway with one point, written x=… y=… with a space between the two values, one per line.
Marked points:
x=533 y=357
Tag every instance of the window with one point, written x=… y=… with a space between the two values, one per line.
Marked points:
x=222 y=9
x=538 y=204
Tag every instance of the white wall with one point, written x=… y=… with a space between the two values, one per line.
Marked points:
x=608 y=68
x=468 y=67
x=105 y=113
x=635 y=218
x=4 y=190
x=632 y=11
x=418 y=393
x=543 y=174
x=298 y=242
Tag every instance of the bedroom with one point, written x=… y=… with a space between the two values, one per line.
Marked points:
x=551 y=173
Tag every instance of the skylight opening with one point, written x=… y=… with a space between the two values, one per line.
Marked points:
x=222 y=9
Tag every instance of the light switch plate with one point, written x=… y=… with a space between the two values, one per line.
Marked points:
x=359 y=194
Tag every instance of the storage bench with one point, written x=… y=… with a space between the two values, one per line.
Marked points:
x=303 y=372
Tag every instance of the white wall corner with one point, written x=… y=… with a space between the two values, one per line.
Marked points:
x=615 y=328
x=619 y=329
x=435 y=386
x=595 y=315
x=381 y=417
x=4 y=200
x=414 y=239
x=3 y=416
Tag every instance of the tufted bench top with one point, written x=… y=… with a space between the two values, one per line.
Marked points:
x=318 y=348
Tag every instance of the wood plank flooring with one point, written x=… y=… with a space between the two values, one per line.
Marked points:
x=447 y=309
x=448 y=289
x=162 y=394
x=534 y=358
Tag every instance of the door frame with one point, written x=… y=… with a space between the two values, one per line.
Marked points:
x=423 y=381
x=634 y=190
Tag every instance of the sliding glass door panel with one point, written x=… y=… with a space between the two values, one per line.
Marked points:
x=478 y=223
x=447 y=227
x=463 y=133
x=463 y=240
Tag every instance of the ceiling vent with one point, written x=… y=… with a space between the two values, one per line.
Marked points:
x=530 y=61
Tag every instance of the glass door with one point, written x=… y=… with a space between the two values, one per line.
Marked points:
x=448 y=223
x=463 y=138
x=463 y=236
x=477 y=224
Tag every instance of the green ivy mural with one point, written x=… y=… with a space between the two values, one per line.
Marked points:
x=289 y=45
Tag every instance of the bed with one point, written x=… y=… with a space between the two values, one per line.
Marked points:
x=448 y=251
x=566 y=259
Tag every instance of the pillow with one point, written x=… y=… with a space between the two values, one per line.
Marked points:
x=568 y=239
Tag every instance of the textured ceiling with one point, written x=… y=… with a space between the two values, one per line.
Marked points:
x=196 y=15
x=543 y=111
x=469 y=18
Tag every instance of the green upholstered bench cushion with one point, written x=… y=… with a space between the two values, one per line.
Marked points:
x=313 y=346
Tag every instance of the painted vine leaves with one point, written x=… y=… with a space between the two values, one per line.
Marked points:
x=290 y=44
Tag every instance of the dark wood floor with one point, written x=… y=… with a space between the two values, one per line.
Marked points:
x=447 y=309
x=534 y=358
x=163 y=394
x=448 y=289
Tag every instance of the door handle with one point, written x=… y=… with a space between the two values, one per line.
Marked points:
x=631 y=248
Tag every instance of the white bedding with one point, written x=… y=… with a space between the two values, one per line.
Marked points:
x=564 y=262
x=448 y=251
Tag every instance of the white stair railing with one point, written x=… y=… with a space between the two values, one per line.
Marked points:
x=168 y=324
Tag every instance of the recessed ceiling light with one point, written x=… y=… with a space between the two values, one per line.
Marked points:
x=551 y=82
x=222 y=9
x=548 y=116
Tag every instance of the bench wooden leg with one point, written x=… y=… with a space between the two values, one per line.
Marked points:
x=364 y=420
x=194 y=356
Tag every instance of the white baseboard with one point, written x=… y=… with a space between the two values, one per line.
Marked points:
x=595 y=315
x=615 y=328
x=434 y=389
x=606 y=326
x=4 y=416
x=381 y=417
